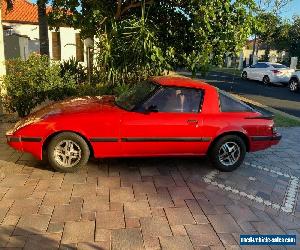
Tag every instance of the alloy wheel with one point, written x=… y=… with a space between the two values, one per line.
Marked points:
x=67 y=153
x=293 y=85
x=229 y=153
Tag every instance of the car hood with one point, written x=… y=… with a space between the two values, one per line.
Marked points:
x=70 y=106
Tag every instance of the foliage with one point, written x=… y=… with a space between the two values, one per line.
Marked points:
x=29 y=83
x=145 y=37
x=74 y=68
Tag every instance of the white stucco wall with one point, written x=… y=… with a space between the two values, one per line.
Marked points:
x=67 y=38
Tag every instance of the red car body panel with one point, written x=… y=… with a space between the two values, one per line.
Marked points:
x=114 y=132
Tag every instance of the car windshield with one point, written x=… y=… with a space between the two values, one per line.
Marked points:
x=138 y=93
x=279 y=66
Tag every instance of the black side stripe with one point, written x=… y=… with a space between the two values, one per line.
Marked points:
x=31 y=139
x=96 y=139
x=165 y=139
x=265 y=138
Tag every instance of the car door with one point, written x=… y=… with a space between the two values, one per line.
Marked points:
x=251 y=72
x=262 y=70
x=168 y=123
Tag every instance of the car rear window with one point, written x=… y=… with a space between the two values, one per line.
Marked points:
x=279 y=66
x=230 y=104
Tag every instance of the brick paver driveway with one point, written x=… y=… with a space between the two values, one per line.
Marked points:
x=148 y=203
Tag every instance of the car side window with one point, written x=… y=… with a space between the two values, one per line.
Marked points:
x=175 y=100
x=229 y=104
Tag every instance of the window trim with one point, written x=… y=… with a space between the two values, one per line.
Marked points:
x=140 y=106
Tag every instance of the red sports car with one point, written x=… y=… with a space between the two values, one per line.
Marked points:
x=164 y=116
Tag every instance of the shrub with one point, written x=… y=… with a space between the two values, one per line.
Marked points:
x=73 y=67
x=30 y=82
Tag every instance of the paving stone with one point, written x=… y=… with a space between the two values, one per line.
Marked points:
x=179 y=216
x=57 y=198
x=32 y=224
x=24 y=207
x=162 y=199
x=56 y=227
x=180 y=193
x=178 y=230
x=75 y=232
x=206 y=239
x=19 y=193
x=137 y=209
x=63 y=213
x=164 y=181
x=132 y=222
x=14 y=181
x=95 y=204
x=16 y=241
x=176 y=243
x=124 y=239
x=43 y=241
x=194 y=230
x=194 y=207
x=144 y=188
x=110 y=220
x=122 y=194
x=104 y=245
x=110 y=182
x=83 y=190
x=227 y=239
x=242 y=213
x=102 y=234
x=269 y=227
x=155 y=227
x=151 y=243
x=10 y=220
x=224 y=223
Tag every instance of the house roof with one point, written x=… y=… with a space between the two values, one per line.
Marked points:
x=23 y=12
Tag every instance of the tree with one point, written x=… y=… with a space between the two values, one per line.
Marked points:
x=182 y=32
x=43 y=27
x=9 y=5
x=294 y=38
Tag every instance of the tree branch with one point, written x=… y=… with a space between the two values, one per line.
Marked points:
x=129 y=6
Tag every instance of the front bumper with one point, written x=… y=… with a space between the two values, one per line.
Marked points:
x=32 y=145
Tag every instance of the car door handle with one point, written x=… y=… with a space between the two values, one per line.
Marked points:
x=192 y=121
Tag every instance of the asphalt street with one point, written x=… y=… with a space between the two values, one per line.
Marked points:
x=277 y=97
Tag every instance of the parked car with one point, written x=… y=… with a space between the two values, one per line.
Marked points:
x=268 y=73
x=294 y=83
x=164 y=116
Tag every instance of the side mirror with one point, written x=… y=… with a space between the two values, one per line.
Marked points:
x=152 y=108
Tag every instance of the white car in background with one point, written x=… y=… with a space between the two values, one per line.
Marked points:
x=268 y=73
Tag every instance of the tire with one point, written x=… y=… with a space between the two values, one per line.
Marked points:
x=222 y=146
x=266 y=81
x=294 y=85
x=244 y=75
x=63 y=149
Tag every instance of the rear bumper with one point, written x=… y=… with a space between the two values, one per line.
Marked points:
x=263 y=142
x=280 y=79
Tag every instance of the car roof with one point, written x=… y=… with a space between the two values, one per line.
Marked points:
x=181 y=81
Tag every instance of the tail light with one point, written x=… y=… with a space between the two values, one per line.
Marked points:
x=275 y=71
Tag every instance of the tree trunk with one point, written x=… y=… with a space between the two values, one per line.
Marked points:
x=2 y=60
x=43 y=28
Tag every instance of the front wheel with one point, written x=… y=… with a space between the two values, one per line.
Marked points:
x=228 y=153
x=244 y=75
x=266 y=81
x=293 y=85
x=67 y=152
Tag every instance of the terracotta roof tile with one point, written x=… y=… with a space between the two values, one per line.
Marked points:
x=22 y=12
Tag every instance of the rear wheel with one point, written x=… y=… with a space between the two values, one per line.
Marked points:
x=228 y=153
x=67 y=152
x=266 y=81
x=294 y=85
x=244 y=75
